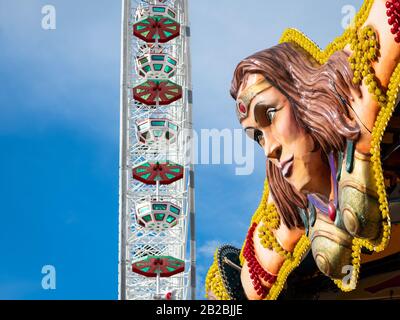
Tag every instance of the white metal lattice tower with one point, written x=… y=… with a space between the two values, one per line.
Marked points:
x=156 y=127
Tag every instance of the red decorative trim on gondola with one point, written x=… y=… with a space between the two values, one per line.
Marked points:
x=163 y=92
x=156 y=29
x=164 y=266
x=164 y=173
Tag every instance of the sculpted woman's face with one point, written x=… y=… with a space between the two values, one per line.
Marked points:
x=271 y=122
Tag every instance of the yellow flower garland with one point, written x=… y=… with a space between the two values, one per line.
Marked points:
x=214 y=281
x=267 y=238
x=365 y=50
x=288 y=266
x=322 y=56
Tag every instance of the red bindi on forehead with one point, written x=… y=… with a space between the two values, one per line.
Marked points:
x=242 y=108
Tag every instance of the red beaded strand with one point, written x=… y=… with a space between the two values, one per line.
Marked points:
x=393 y=12
x=255 y=268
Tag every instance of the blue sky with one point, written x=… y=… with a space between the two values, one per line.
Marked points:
x=59 y=134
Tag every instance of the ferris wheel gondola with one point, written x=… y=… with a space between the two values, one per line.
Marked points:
x=162 y=172
x=157 y=92
x=159 y=26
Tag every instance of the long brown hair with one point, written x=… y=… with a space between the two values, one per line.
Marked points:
x=319 y=96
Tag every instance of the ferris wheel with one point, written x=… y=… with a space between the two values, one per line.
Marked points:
x=156 y=258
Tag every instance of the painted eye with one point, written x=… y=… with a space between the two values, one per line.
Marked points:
x=271 y=114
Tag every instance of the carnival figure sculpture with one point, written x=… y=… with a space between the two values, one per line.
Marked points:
x=328 y=124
